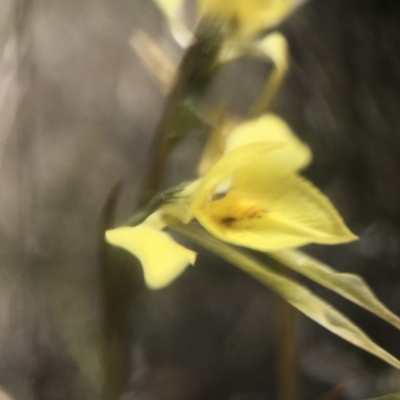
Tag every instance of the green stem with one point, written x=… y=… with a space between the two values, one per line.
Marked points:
x=194 y=76
x=287 y=356
x=278 y=54
x=269 y=93
x=116 y=277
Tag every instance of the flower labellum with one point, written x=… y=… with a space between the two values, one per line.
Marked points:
x=163 y=259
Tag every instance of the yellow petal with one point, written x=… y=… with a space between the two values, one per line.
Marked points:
x=275 y=47
x=267 y=128
x=271 y=128
x=169 y=213
x=163 y=259
x=253 y=199
x=247 y=17
x=172 y=10
x=170 y=7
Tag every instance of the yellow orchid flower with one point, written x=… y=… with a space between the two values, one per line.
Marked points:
x=162 y=259
x=244 y=18
x=253 y=198
x=247 y=17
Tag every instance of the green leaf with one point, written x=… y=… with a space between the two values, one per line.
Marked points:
x=392 y=396
x=350 y=286
x=294 y=293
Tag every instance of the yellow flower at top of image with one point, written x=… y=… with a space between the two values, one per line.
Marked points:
x=247 y=17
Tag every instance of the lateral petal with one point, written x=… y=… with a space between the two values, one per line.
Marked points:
x=163 y=259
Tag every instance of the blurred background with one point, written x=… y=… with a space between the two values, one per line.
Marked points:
x=78 y=111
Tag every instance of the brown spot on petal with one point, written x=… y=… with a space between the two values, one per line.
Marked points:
x=242 y=215
x=228 y=221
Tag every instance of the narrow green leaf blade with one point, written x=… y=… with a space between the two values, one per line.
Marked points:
x=350 y=286
x=392 y=396
x=294 y=293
